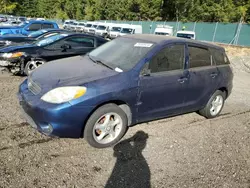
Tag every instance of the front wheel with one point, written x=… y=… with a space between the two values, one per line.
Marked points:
x=32 y=65
x=214 y=105
x=106 y=126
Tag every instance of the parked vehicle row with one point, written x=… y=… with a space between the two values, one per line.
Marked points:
x=112 y=30
x=105 y=30
x=129 y=80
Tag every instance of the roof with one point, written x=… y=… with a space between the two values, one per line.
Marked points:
x=40 y=21
x=161 y=39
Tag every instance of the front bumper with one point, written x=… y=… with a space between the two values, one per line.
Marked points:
x=64 y=120
x=4 y=63
x=10 y=62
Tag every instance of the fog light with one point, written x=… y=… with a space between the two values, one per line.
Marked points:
x=47 y=129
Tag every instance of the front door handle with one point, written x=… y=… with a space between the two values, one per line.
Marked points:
x=213 y=75
x=182 y=80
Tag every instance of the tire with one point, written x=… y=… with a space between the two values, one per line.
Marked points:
x=99 y=119
x=207 y=111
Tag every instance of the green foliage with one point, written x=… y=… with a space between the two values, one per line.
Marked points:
x=167 y=10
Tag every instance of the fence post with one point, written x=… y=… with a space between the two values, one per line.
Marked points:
x=238 y=32
x=238 y=36
x=215 y=30
x=194 y=26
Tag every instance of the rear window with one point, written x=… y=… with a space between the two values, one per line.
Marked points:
x=199 y=57
x=220 y=57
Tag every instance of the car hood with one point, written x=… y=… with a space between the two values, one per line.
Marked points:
x=71 y=71
x=16 y=47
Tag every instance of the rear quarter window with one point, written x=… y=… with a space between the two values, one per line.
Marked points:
x=220 y=57
x=47 y=26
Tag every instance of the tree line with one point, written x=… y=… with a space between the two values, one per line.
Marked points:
x=137 y=10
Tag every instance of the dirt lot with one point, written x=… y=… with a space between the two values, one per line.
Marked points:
x=185 y=151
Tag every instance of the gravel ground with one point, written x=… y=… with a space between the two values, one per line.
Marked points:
x=184 y=151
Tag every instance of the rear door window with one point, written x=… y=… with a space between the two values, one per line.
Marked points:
x=168 y=59
x=199 y=57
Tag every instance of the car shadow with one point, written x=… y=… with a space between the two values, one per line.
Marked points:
x=131 y=168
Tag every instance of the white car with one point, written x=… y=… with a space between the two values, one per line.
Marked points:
x=186 y=34
x=164 y=30
x=131 y=29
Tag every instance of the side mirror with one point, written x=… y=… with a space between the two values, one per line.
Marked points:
x=145 y=70
x=66 y=46
x=27 y=29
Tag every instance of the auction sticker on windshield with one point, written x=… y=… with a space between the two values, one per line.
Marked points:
x=145 y=45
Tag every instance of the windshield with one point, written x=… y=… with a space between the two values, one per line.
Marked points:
x=183 y=35
x=82 y=24
x=49 y=40
x=127 y=30
x=74 y=23
x=22 y=19
x=101 y=27
x=23 y=24
x=94 y=26
x=66 y=22
x=161 y=33
x=88 y=25
x=128 y=53
x=37 y=33
x=118 y=29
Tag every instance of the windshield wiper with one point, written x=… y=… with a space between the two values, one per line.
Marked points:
x=100 y=62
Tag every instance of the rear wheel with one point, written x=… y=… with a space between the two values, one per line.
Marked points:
x=106 y=126
x=214 y=105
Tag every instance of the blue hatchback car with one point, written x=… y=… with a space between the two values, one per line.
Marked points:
x=129 y=80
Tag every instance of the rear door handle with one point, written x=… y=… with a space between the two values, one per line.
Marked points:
x=182 y=80
x=213 y=75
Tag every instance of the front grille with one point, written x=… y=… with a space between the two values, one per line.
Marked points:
x=33 y=87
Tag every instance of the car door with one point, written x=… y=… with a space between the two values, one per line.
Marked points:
x=203 y=77
x=56 y=50
x=162 y=91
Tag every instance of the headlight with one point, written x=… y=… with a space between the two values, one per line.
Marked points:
x=64 y=94
x=13 y=55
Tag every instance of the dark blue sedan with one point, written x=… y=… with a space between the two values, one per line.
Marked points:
x=132 y=79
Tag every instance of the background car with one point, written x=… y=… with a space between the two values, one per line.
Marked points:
x=7 y=40
x=27 y=57
x=27 y=27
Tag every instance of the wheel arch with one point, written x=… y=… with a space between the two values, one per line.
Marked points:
x=224 y=90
